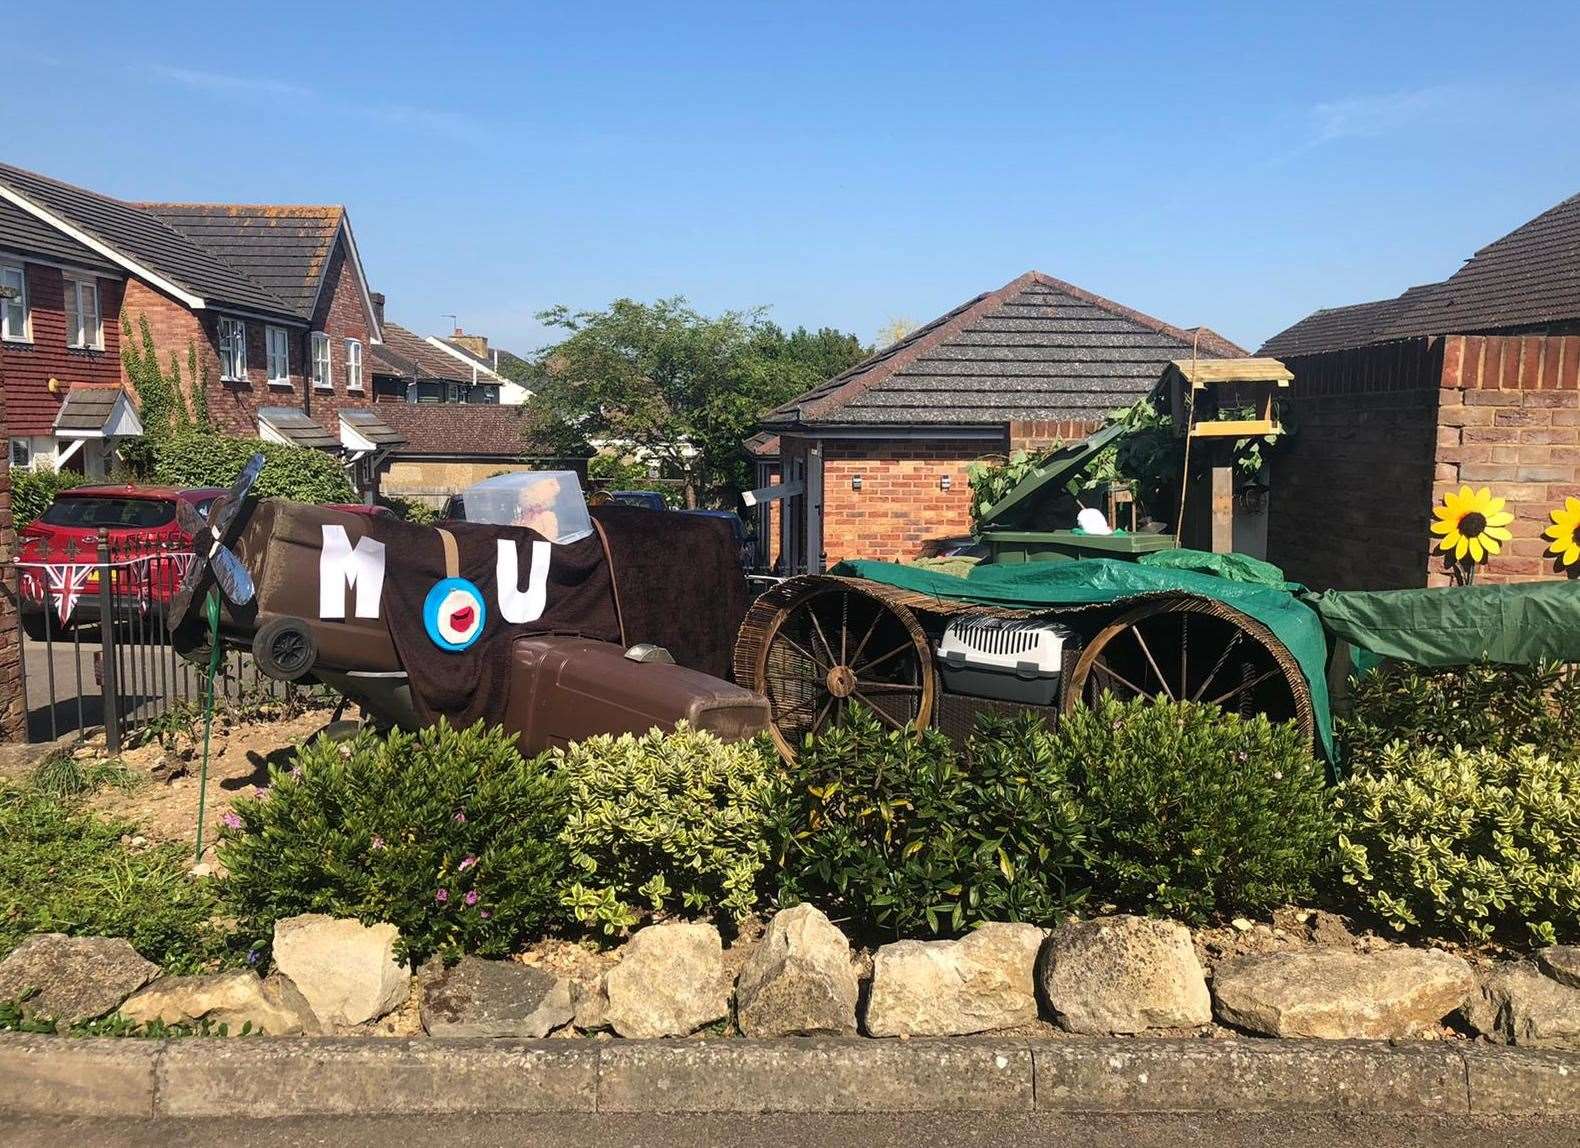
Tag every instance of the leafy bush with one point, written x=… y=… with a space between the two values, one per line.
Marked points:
x=676 y=821
x=64 y=870
x=447 y=834
x=192 y=458
x=1475 y=842
x=33 y=490
x=1193 y=811
x=411 y=509
x=903 y=835
x=1474 y=707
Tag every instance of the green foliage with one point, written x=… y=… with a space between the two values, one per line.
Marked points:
x=903 y=835
x=65 y=870
x=192 y=458
x=163 y=400
x=614 y=472
x=447 y=834
x=673 y=385
x=1194 y=812
x=668 y=822
x=61 y=775
x=15 y=1017
x=1471 y=842
x=33 y=490
x=1476 y=707
x=411 y=509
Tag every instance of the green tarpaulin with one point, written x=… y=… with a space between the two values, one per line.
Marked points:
x=1031 y=585
x=1458 y=625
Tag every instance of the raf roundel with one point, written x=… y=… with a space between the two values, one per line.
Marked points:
x=453 y=614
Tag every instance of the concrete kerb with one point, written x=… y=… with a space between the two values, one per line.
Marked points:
x=282 y=1077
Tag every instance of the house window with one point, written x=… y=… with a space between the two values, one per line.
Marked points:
x=21 y=453
x=452 y=393
x=13 y=304
x=83 y=328
x=353 y=365
x=232 y=350
x=278 y=345
x=323 y=377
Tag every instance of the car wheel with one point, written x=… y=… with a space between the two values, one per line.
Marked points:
x=33 y=626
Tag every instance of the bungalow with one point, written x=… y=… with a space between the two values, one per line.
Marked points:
x=1471 y=381
x=448 y=447
x=875 y=458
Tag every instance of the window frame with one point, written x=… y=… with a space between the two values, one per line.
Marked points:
x=354 y=365
x=237 y=356
x=74 y=285
x=271 y=333
x=20 y=269
x=320 y=343
x=27 y=447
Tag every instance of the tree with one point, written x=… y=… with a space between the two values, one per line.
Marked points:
x=660 y=382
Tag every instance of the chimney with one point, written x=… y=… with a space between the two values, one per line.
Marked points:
x=378 y=306
x=476 y=344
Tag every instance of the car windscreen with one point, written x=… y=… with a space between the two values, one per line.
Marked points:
x=107 y=510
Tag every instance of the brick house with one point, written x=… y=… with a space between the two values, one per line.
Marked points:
x=1469 y=381
x=486 y=366
x=877 y=456
x=273 y=298
x=408 y=367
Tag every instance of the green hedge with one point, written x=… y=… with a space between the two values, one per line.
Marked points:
x=197 y=459
x=33 y=490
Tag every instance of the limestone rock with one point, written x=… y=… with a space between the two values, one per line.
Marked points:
x=274 y=1006
x=592 y=1008
x=495 y=998
x=670 y=982
x=799 y=980
x=1123 y=974
x=1562 y=963
x=345 y=969
x=983 y=981
x=76 y=978
x=1516 y=1004
x=1334 y=994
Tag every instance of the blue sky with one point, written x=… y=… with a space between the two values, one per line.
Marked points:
x=845 y=164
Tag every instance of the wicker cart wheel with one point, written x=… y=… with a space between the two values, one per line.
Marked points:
x=1192 y=649
x=817 y=645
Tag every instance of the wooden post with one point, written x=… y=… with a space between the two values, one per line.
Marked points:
x=1222 y=509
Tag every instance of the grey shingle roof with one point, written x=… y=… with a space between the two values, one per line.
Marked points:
x=460 y=430
x=139 y=235
x=20 y=231
x=283 y=249
x=1037 y=348
x=405 y=354
x=1529 y=277
x=371 y=427
x=296 y=427
x=87 y=408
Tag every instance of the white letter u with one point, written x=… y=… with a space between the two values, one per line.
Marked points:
x=516 y=604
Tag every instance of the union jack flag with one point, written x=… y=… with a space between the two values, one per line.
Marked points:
x=65 y=586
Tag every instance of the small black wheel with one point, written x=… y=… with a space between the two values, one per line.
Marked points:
x=33 y=626
x=284 y=649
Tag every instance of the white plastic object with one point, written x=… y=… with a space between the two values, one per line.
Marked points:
x=1092 y=521
x=547 y=501
x=1017 y=645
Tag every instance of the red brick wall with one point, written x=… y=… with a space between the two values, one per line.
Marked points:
x=1041 y=433
x=13 y=714
x=1510 y=421
x=28 y=367
x=1351 y=491
x=900 y=506
x=342 y=315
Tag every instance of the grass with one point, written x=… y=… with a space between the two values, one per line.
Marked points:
x=61 y=776
x=64 y=870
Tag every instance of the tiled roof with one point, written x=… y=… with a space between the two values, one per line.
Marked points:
x=145 y=239
x=366 y=422
x=405 y=354
x=294 y=425
x=763 y=444
x=284 y=250
x=1037 y=348
x=1528 y=278
x=459 y=430
x=22 y=232
x=87 y=407
x=506 y=359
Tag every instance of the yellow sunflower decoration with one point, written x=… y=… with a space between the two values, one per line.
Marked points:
x=1565 y=533
x=1473 y=524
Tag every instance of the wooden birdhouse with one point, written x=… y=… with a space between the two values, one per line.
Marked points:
x=1225 y=398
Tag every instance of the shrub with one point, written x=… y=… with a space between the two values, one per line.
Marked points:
x=411 y=509
x=1475 y=842
x=675 y=821
x=1475 y=707
x=903 y=835
x=64 y=870
x=447 y=834
x=192 y=458
x=1193 y=811
x=33 y=490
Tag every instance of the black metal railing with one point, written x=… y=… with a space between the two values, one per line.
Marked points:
x=96 y=649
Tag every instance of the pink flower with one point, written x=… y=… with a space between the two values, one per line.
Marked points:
x=442 y=896
x=466 y=863
x=230 y=821
x=376 y=843
x=460 y=817
x=471 y=897
x=484 y=913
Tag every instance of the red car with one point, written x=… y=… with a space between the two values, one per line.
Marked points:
x=148 y=551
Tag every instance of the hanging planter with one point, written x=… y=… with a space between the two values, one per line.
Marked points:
x=1565 y=536
x=1473 y=526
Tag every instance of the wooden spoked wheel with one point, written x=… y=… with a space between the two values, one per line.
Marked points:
x=1192 y=649
x=816 y=649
